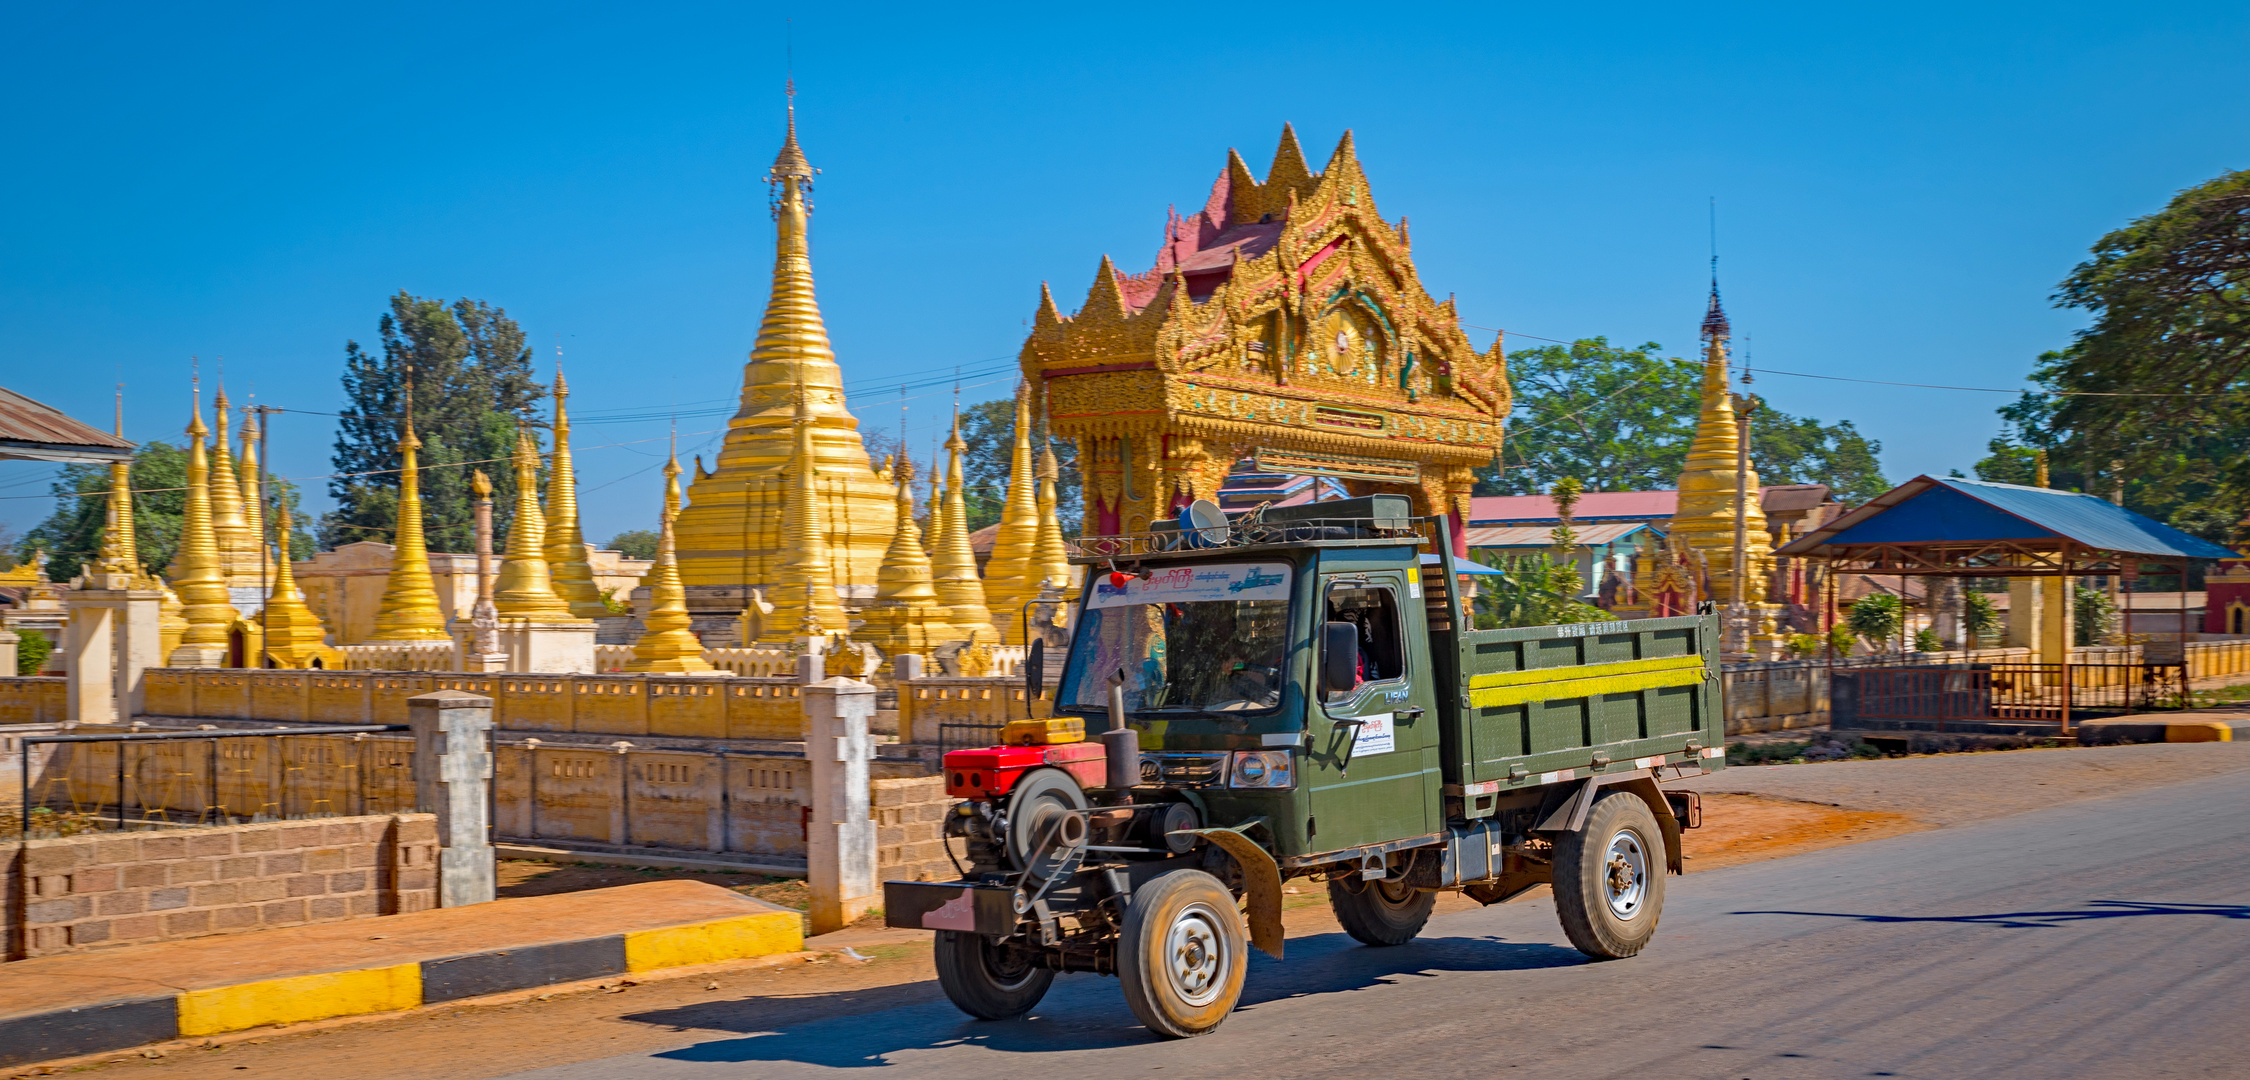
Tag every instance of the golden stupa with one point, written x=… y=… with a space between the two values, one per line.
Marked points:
x=1010 y=580
x=526 y=591
x=256 y=571
x=572 y=577
x=409 y=610
x=196 y=570
x=1704 y=518
x=906 y=615
x=294 y=638
x=731 y=532
x=953 y=564
x=667 y=644
x=804 y=599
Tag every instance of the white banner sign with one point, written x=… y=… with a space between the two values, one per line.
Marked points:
x=1376 y=735
x=1194 y=584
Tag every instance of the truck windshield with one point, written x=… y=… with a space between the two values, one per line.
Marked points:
x=1210 y=638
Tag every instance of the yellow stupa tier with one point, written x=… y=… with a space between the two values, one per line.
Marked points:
x=120 y=554
x=731 y=533
x=1009 y=579
x=567 y=569
x=1704 y=518
x=953 y=564
x=1050 y=558
x=294 y=637
x=409 y=610
x=906 y=615
x=805 y=603
x=238 y=548
x=667 y=644
x=525 y=591
x=196 y=571
x=257 y=571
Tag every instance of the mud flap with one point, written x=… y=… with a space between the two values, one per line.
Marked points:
x=1261 y=884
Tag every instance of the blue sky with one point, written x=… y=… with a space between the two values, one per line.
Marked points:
x=1899 y=187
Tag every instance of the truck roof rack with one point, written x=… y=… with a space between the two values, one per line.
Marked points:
x=1377 y=518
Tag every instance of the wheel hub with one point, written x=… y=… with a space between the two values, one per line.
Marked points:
x=1195 y=955
x=1625 y=881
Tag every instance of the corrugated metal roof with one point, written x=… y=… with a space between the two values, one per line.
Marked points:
x=1646 y=505
x=1931 y=509
x=35 y=431
x=1526 y=536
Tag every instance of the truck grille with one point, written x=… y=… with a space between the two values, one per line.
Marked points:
x=1183 y=770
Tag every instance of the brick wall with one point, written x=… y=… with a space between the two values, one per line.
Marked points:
x=102 y=889
x=909 y=822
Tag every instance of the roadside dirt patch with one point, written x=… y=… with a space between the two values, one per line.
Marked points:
x=1749 y=828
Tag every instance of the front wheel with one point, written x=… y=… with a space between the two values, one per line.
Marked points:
x=1181 y=955
x=1609 y=878
x=1380 y=912
x=987 y=981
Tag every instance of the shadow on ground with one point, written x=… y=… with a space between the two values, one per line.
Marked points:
x=2102 y=909
x=1081 y=1012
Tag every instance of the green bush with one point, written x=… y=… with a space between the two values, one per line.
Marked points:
x=32 y=651
x=1979 y=619
x=1840 y=639
x=1926 y=640
x=1876 y=618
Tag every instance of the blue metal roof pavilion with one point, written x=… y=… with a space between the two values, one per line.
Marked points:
x=1951 y=526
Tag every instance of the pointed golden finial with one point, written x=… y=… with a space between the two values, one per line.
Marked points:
x=1009 y=582
x=567 y=568
x=526 y=592
x=1050 y=559
x=259 y=568
x=667 y=643
x=120 y=558
x=238 y=550
x=409 y=610
x=951 y=559
x=294 y=637
x=196 y=570
x=1715 y=470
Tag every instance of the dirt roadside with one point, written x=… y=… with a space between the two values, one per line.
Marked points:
x=1750 y=814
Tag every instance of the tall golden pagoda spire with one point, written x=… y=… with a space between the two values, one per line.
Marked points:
x=238 y=551
x=1050 y=559
x=196 y=572
x=951 y=559
x=1705 y=516
x=409 y=610
x=666 y=643
x=1009 y=579
x=120 y=554
x=253 y=504
x=567 y=569
x=906 y=615
x=792 y=352
x=525 y=591
x=294 y=637
x=805 y=603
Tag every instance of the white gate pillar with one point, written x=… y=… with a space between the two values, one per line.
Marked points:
x=840 y=845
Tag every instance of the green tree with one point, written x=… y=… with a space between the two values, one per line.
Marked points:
x=473 y=387
x=1979 y=617
x=72 y=535
x=989 y=427
x=2157 y=389
x=1626 y=417
x=32 y=650
x=635 y=543
x=1876 y=618
x=2092 y=615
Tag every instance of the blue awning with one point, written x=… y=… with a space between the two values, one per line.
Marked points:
x=1951 y=510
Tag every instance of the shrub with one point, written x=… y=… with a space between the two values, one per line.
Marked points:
x=1926 y=640
x=32 y=652
x=1876 y=617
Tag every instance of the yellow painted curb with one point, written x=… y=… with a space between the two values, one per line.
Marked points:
x=2212 y=732
x=300 y=998
x=719 y=939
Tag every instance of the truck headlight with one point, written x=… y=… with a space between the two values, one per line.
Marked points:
x=1261 y=769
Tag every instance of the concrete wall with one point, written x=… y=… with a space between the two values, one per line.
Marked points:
x=39 y=699
x=100 y=889
x=345 y=586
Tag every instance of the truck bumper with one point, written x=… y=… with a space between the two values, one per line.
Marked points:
x=949 y=905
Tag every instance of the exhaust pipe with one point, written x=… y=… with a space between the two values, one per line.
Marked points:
x=1121 y=745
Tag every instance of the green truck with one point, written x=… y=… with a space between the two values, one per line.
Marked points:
x=1299 y=695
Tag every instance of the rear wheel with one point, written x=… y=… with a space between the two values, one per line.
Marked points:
x=987 y=981
x=1181 y=955
x=1609 y=878
x=1380 y=912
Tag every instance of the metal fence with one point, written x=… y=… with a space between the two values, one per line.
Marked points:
x=1975 y=697
x=81 y=783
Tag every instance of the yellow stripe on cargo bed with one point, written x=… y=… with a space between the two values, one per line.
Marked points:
x=1551 y=684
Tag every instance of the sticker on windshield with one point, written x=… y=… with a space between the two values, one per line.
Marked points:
x=1376 y=736
x=1195 y=584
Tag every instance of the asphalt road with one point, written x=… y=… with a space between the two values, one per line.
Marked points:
x=2104 y=938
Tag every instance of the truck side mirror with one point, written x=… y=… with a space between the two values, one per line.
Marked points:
x=1035 y=670
x=1339 y=657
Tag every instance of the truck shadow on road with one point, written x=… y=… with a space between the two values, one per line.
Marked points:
x=2101 y=909
x=866 y=1028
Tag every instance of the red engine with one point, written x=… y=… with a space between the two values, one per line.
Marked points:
x=990 y=772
